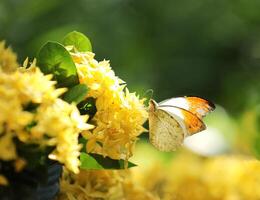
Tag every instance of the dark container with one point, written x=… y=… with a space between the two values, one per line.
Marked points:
x=41 y=183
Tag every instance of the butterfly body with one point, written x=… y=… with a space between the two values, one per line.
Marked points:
x=174 y=119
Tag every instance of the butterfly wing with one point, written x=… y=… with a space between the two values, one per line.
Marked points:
x=195 y=105
x=166 y=133
x=193 y=124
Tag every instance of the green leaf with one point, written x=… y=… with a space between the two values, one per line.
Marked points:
x=78 y=40
x=54 y=59
x=95 y=161
x=88 y=162
x=76 y=94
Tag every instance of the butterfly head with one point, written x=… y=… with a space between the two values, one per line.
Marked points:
x=152 y=105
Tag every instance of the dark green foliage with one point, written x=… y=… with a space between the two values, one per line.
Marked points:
x=95 y=161
x=175 y=47
x=88 y=107
x=76 y=94
x=33 y=154
x=54 y=59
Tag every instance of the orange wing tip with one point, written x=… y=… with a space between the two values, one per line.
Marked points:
x=199 y=100
x=210 y=104
x=200 y=106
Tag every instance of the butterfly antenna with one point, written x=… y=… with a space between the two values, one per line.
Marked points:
x=148 y=95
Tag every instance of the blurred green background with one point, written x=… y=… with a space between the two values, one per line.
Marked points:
x=176 y=47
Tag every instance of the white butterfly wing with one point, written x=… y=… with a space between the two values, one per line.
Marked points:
x=195 y=105
x=180 y=102
x=166 y=133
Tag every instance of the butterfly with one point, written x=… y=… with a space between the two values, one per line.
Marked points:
x=171 y=120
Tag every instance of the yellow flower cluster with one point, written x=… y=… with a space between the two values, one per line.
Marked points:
x=7 y=58
x=54 y=122
x=120 y=114
x=188 y=176
x=184 y=176
x=101 y=185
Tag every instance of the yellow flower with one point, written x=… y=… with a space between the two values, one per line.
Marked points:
x=101 y=185
x=233 y=177
x=120 y=114
x=35 y=86
x=7 y=147
x=7 y=58
x=53 y=122
x=62 y=123
x=13 y=117
x=216 y=178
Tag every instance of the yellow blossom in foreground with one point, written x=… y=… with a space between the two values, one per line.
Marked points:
x=234 y=177
x=188 y=176
x=7 y=58
x=53 y=122
x=120 y=114
x=101 y=185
